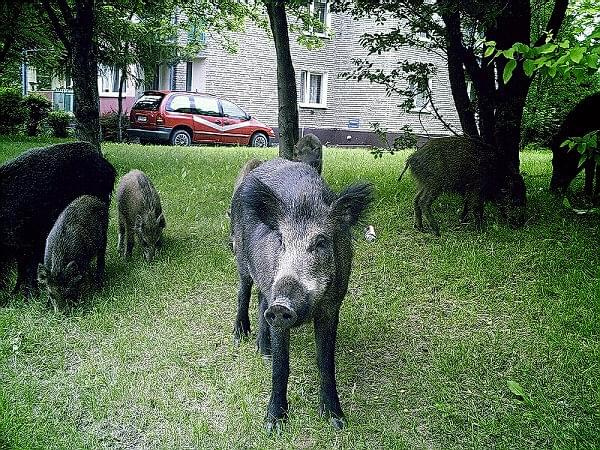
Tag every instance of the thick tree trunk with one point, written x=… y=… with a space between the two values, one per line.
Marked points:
x=85 y=73
x=286 y=79
x=456 y=72
x=513 y=25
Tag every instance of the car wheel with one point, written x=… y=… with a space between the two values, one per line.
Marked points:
x=259 y=140
x=181 y=137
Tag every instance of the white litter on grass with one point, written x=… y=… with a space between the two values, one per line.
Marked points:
x=370 y=233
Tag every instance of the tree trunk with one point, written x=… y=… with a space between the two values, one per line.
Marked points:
x=286 y=79
x=513 y=25
x=85 y=73
x=456 y=73
x=122 y=80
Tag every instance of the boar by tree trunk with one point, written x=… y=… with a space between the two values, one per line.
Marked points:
x=286 y=79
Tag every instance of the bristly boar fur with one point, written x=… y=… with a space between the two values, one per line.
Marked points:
x=141 y=216
x=469 y=167
x=35 y=188
x=309 y=150
x=77 y=238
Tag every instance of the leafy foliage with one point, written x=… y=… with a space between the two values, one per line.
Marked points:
x=109 y=124
x=59 y=122
x=38 y=108
x=12 y=111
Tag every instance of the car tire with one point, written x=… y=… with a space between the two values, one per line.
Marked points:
x=181 y=138
x=259 y=140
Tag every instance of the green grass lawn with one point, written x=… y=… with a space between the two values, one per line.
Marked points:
x=431 y=330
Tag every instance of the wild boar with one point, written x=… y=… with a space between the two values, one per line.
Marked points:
x=140 y=214
x=309 y=150
x=292 y=239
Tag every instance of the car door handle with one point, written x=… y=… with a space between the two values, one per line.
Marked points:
x=226 y=123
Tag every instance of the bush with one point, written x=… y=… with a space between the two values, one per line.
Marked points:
x=12 y=111
x=59 y=122
x=37 y=108
x=109 y=125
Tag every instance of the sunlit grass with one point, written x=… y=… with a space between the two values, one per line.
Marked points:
x=430 y=332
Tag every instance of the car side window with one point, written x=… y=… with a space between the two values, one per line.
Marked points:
x=232 y=110
x=180 y=104
x=207 y=106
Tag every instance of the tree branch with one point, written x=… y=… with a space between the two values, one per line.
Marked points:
x=56 y=25
x=66 y=13
x=556 y=19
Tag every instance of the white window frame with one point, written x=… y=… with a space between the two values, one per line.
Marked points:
x=327 y=24
x=305 y=102
x=106 y=73
x=422 y=109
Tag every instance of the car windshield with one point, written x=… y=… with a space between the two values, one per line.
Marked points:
x=148 y=102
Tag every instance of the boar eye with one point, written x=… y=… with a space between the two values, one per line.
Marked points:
x=320 y=243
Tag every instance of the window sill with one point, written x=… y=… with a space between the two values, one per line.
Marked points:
x=311 y=106
x=113 y=94
x=420 y=111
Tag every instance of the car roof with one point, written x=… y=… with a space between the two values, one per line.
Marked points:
x=167 y=92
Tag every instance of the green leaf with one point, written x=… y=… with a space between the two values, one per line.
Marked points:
x=529 y=67
x=548 y=48
x=509 y=53
x=516 y=389
x=576 y=54
x=566 y=203
x=508 y=70
x=488 y=52
x=564 y=44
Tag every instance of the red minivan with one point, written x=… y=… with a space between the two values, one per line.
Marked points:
x=183 y=118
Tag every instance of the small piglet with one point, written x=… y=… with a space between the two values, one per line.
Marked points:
x=292 y=238
x=140 y=214
x=309 y=150
x=77 y=237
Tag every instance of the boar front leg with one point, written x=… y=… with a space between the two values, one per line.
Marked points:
x=263 y=340
x=278 y=405
x=241 y=328
x=325 y=334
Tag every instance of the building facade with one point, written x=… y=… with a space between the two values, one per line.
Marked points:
x=337 y=110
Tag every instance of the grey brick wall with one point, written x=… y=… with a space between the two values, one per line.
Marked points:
x=248 y=77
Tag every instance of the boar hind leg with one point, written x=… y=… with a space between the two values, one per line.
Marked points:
x=121 y=242
x=241 y=328
x=418 y=212
x=427 y=198
x=325 y=334
x=129 y=240
x=263 y=340
x=278 y=405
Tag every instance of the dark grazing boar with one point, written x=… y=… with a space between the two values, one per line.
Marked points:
x=566 y=163
x=468 y=167
x=140 y=214
x=77 y=237
x=35 y=188
x=292 y=239
x=309 y=150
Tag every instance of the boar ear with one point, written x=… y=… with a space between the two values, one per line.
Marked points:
x=262 y=202
x=42 y=273
x=160 y=221
x=352 y=203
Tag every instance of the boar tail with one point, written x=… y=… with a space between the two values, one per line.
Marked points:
x=405 y=168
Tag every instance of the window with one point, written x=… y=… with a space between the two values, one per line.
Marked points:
x=420 y=94
x=109 y=79
x=319 y=9
x=188 y=75
x=313 y=89
x=180 y=104
x=208 y=106
x=232 y=110
x=148 y=102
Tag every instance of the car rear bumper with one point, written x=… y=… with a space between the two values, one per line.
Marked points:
x=160 y=134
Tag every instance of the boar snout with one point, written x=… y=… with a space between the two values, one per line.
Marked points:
x=280 y=314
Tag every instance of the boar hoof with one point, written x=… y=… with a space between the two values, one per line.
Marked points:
x=240 y=331
x=337 y=422
x=274 y=424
